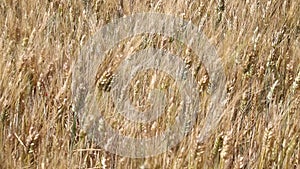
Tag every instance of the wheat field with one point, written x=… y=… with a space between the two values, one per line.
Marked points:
x=257 y=40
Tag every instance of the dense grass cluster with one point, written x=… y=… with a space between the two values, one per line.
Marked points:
x=258 y=41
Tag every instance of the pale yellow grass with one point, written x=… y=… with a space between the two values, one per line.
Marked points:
x=257 y=40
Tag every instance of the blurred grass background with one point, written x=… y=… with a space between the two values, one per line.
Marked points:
x=258 y=41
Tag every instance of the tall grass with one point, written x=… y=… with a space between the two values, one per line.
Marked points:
x=257 y=40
